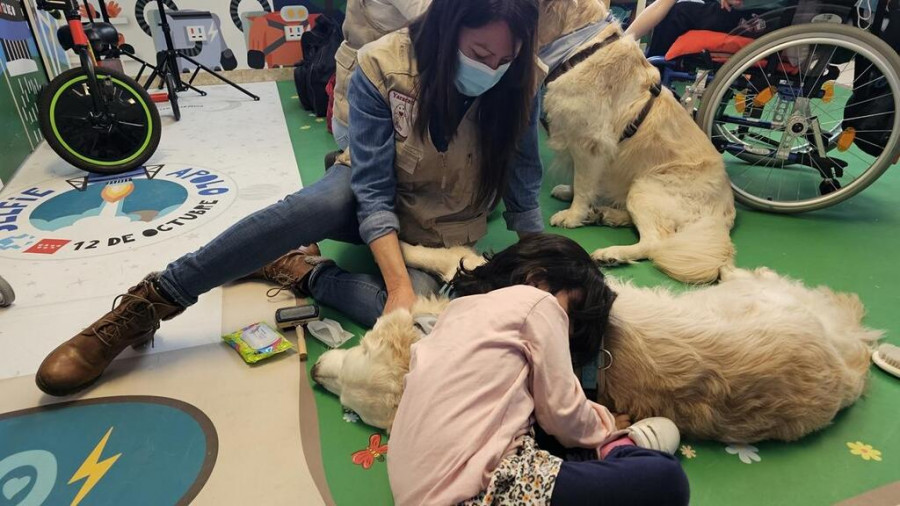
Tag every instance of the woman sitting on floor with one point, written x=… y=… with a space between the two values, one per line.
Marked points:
x=443 y=125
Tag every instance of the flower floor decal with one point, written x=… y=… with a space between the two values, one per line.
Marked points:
x=865 y=451
x=747 y=453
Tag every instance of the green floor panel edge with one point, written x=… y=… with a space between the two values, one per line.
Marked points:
x=850 y=247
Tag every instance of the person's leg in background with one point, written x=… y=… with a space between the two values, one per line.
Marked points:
x=684 y=16
x=687 y=15
x=627 y=476
x=341 y=133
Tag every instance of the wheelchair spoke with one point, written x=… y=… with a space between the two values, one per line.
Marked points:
x=870 y=143
x=816 y=83
x=784 y=72
x=869 y=100
x=861 y=74
x=802 y=77
x=869 y=82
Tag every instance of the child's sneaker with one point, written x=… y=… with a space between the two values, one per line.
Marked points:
x=655 y=433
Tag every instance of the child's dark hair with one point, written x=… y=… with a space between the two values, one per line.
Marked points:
x=563 y=265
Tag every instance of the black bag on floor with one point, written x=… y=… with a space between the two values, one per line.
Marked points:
x=312 y=74
x=870 y=110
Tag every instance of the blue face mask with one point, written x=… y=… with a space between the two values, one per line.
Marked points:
x=474 y=78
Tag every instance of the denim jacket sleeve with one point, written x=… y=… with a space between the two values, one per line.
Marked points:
x=373 y=180
x=523 y=212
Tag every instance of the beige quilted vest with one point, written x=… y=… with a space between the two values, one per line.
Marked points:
x=436 y=191
x=359 y=30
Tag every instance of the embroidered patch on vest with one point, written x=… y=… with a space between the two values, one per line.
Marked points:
x=402 y=112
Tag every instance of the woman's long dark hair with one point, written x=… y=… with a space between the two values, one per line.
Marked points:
x=563 y=265
x=505 y=109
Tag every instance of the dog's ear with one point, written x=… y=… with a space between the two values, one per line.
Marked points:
x=394 y=333
x=401 y=344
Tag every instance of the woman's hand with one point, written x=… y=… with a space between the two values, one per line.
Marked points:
x=386 y=250
x=730 y=4
x=400 y=298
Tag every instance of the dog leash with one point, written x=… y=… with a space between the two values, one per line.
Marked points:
x=632 y=128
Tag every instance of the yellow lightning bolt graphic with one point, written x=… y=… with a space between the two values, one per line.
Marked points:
x=92 y=469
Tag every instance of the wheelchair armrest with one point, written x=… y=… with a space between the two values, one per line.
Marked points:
x=660 y=62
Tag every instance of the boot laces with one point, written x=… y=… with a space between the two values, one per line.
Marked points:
x=280 y=273
x=274 y=292
x=134 y=309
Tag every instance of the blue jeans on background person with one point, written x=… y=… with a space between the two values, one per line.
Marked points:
x=341 y=134
x=323 y=210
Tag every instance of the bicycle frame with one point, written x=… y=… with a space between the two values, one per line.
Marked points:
x=81 y=44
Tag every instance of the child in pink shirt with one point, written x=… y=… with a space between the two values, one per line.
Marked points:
x=498 y=362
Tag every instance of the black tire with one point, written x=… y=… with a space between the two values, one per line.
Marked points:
x=129 y=142
x=173 y=96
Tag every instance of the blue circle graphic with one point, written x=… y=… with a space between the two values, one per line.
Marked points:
x=150 y=199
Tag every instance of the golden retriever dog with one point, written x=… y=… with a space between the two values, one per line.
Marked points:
x=369 y=377
x=756 y=357
x=667 y=180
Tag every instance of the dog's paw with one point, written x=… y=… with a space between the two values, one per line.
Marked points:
x=613 y=255
x=567 y=219
x=563 y=192
x=612 y=217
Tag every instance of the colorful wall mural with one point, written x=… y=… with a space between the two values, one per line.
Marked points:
x=221 y=34
x=21 y=77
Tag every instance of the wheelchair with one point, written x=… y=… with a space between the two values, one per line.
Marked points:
x=802 y=102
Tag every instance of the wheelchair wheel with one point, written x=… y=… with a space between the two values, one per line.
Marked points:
x=117 y=137
x=173 y=96
x=782 y=110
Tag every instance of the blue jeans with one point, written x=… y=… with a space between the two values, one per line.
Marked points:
x=341 y=133
x=629 y=476
x=323 y=210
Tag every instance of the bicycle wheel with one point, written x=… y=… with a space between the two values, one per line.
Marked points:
x=173 y=96
x=118 y=137
x=778 y=107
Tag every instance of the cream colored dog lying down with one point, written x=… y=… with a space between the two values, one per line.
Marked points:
x=756 y=357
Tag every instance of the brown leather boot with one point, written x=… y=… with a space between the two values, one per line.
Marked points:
x=78 y=362
x=289 y=270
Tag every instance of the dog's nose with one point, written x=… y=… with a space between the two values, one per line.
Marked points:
x=313 y=372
